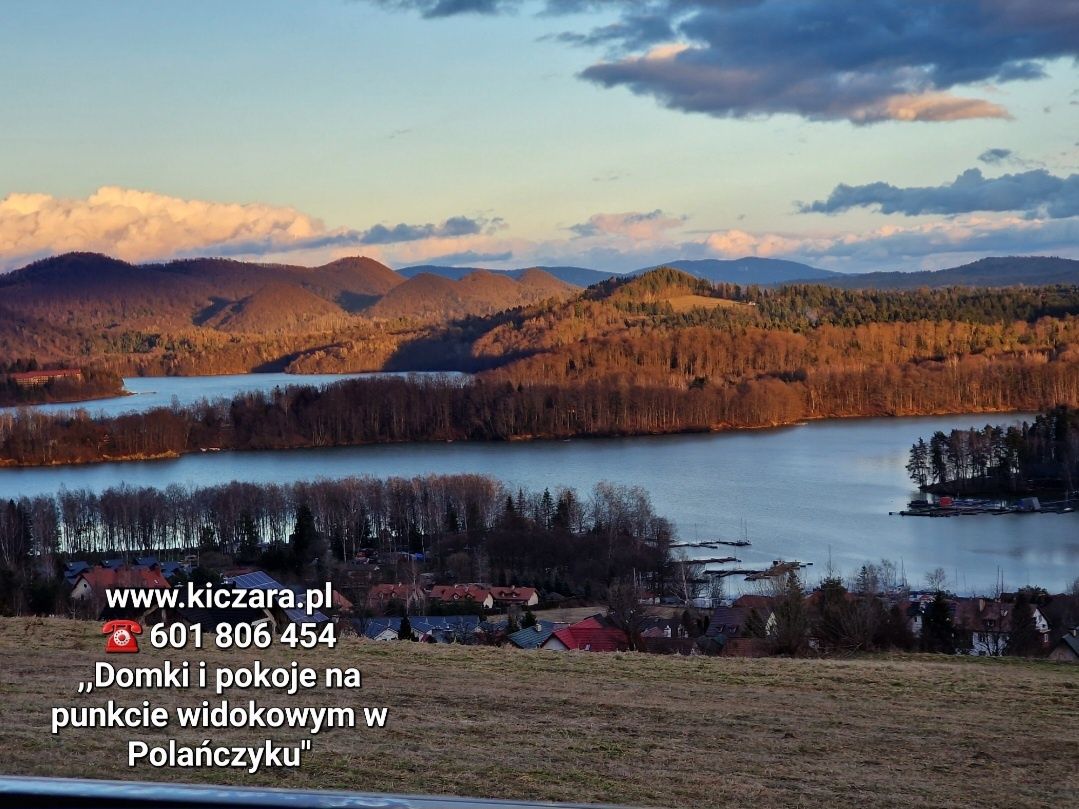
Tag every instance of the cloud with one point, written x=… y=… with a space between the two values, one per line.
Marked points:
x=994 y=156
x=902 y=247
x=873 y=61
x=454 y=226
x=143 y=226
x=433 y=9
x=1037 y=192
x=632 y=225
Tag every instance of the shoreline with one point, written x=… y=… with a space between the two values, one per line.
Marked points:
x=715 y=429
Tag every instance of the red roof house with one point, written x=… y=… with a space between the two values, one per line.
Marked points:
x=590 y=635
x=463 y=593
x=519 y=596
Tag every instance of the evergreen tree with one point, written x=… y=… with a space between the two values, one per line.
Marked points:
x=404 y=632
x=303 y=541
x=528 y=620
x=1023 y=639
x=938 y=631
x=792 y=618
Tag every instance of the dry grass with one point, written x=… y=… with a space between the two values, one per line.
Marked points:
x=684 y=303
x=623 y=728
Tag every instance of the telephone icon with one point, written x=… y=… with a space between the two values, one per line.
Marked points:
x=121 y=636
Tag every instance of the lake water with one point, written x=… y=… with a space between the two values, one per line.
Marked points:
x=148 y=392
x=810 y=493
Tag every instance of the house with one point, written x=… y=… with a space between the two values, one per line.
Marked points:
x=37 y=379
x=94 y=581
x=282 y=617
x=989 y=623
x=727 y=622
x=463 y=594
x=445 y=628
x=1067 y=648
x=658 y=627
x=533 y=637
x=737 y=619
x=595 y=634
x=380 y=596
x=515 y=596
x=425 y=628
x=380 y=629
x=73 y=569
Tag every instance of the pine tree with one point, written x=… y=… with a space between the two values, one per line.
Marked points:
x=528 y=620
x=938 y=631
x=404 y=632
x=1023 y=639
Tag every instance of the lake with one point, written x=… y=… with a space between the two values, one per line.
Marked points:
x=811 y=492
x=148 y=392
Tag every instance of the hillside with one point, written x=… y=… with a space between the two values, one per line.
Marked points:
x=576 y=276
x=432 y=297
x=624 y=728
x=188 y=316
x=1002 y=271
x=749 y=270
x=278 y=307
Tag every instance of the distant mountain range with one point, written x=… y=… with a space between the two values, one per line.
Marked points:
x=578 y=276
x=749 y=270
x=987 y=272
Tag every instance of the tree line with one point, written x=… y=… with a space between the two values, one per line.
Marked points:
x=457 y=527
x=390 y=410
x=1043 y=454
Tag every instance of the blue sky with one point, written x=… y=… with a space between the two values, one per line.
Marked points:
x=607 y=134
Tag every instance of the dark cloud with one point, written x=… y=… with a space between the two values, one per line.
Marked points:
x=865 y=62
x=434 y=9
x=1035 y=193
x=994 y=156
x=454 y=226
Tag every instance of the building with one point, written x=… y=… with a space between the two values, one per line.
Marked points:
x=381 y=596
x=282 y=617
x=94 y=581
x=533 y=637
x=37 y=379
x=989 y=623
x=595 y=634
x=515 y=596
x=1067 y=648
x=475 y=594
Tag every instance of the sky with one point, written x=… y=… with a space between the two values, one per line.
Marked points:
x=878 y=135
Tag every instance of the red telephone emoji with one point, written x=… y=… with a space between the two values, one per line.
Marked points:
x=121 y=636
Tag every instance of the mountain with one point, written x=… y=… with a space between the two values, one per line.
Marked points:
x=1002 y=271
x=278 y=308
x=427 y=296
x=748 y=270
x=577 y=276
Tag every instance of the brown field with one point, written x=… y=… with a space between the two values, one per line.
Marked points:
x=619 y=728
x=683 y=303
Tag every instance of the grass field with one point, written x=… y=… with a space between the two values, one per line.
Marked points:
x=619 y=728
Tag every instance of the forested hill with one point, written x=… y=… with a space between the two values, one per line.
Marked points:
x=988 y=272
x=212 y=315
x=659 y=353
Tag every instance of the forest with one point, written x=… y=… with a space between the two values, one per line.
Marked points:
x=1039 y=456
x=93 y=383
x=389 y=410
x=663 y=352
x=459 y=528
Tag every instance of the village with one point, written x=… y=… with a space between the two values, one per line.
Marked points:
x=781 y=619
